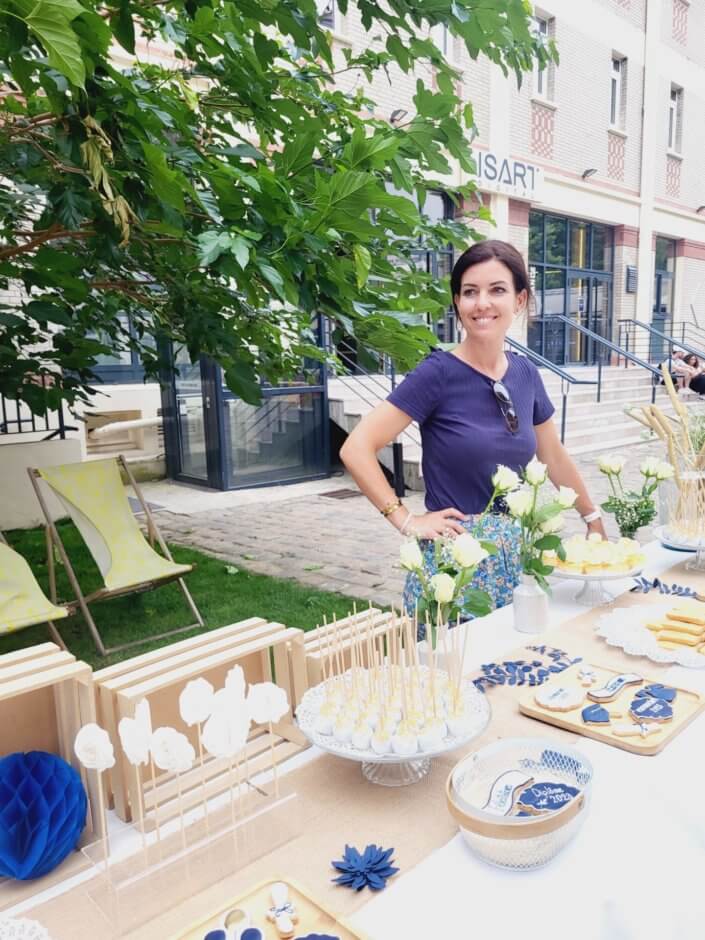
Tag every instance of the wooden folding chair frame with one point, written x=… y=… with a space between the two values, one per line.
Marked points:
x=53 y=630
x=82 y=601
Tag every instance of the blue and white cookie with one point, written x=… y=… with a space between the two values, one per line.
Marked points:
x=664 y=692
x=628 y=730
x=545 y=797
x=505 y=791
x=646 y=709
x=611 y=689
x=595 y=715
x=559 y=698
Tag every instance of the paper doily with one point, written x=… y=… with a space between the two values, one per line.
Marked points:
x=22 y=929
x=625 y=627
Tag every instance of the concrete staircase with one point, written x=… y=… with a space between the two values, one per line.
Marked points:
x=591 y=427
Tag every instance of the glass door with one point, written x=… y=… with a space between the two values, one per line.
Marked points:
x=579 y=310
x=190 y=419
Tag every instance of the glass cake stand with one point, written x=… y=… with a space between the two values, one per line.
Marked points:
x=391 y=770
x=593 y=593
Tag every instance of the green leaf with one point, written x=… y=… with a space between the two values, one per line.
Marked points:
x=363 y=263
x=240 y=248
x=123 y=27
x=50 y=22
x=242 y=382
x=547 y=543
x=489 y=547
x=273 y=277
x=167 y=182
x=478 y=602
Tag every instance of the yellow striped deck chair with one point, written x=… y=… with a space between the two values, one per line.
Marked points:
x=22 y=601
x=94 y=497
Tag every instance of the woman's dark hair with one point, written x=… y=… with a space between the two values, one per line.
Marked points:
x=691 y=360
x=485 y=251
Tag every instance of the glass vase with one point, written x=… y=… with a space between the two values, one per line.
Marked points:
x=530 y=603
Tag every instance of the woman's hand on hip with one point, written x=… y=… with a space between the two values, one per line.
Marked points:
x=436 y=525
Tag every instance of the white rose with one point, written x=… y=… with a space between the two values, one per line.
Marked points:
x=196 y=701
x=443 y=587
x=650 y=466
x=554 y=524
x=611 y=464
x=505 y=480
x=94 y=748
x=172 y=750
x=519 y=502
x=410 y=556
x=467 y=551
x=566 y=497
x=266 y=702
x=535 y=472
x=664 y=471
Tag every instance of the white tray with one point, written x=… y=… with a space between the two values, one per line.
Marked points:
x=624 y=627
x=689 y=546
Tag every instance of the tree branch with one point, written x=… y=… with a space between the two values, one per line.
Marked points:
x=56 y=231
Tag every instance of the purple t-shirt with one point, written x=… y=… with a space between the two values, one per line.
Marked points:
x=463 y=432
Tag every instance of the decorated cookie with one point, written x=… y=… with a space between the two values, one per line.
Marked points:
x=505 y=790
x=629 y=730
x=595 y=715
x=664 y=692
x=545 y=797
x=610 y=690
x=559 y=699
x=587 y=675
x=647 y=708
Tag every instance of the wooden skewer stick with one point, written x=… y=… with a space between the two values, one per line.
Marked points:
x=274 y=761
x=203 y=774
x=156 y=798
x=103 y=819
x=231 y=778
x=140 y=806
x=181 y=810
x=338 y=651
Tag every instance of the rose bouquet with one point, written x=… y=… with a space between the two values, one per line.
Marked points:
x=632 y=509
x=445 y=594
x=540 y=520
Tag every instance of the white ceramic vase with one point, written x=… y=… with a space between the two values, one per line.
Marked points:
x=530 y=604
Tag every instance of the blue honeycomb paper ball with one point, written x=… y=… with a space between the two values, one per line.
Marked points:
x=42 y=813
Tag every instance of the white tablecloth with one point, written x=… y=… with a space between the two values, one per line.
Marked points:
x=635 y=871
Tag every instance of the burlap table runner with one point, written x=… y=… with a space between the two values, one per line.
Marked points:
x=336 y=805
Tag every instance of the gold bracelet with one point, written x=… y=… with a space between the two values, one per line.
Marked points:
x=391 y=507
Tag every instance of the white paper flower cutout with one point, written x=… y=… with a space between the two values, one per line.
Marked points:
x=136 y=734
x=225 y=732
x=235 y=683
x=266 y=702
x=94 y=748
x=172 y=750
x=196 y=701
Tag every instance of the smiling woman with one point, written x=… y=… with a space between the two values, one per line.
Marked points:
x=478 y=406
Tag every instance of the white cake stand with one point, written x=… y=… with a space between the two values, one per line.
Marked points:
x=593 y=593
x=390 y=770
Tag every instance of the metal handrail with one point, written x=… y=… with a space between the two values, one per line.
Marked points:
x=608 y=344
x=699 y=331
x=669 y=339
x=564 y=377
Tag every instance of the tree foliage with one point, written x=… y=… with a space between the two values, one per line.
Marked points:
x=225 y=199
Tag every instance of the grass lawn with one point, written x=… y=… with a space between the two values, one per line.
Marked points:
x=222 y=597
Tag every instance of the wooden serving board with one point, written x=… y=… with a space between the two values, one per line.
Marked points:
x=313 y=918
x=686 y=706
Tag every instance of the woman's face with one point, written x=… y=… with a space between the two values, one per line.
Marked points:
x=487 y=302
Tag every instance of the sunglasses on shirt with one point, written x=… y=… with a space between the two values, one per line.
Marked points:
x=506 y=406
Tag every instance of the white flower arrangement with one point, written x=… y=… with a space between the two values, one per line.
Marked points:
x=633 y=509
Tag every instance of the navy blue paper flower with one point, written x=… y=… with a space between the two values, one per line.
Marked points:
x=643 y=585
x=42 y=813
x=372 y=868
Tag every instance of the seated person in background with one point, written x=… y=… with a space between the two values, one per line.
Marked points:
x=696 y=381
x=676 y=358
x=685 y=367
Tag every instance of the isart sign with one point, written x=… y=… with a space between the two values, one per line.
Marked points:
x=499 y=174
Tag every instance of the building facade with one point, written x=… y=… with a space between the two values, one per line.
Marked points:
x=594 y=168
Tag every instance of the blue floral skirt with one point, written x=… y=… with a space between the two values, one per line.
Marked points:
x=498 y=574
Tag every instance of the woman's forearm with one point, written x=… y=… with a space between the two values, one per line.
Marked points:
x=363 y=466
